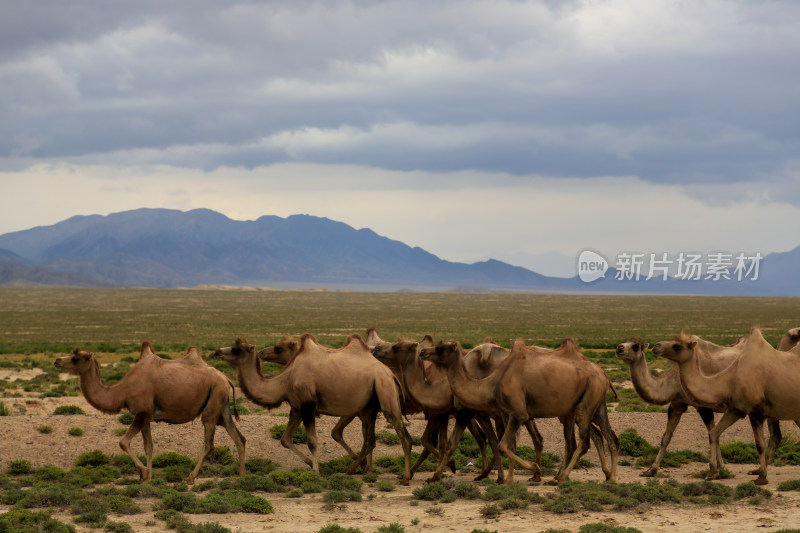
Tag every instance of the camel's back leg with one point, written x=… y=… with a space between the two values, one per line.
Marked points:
x=209 y=428
x=139 y=421
x=238 y=439
x=287 y=439
x=308 y=414
x=538 y=446
x=337 y=434
x=674 y=413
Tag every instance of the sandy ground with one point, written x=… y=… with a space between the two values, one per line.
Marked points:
x=19 y=439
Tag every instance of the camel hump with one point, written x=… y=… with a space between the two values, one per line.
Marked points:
x=193 y=357
x=488 y=340
x=307 y=340
x=356 y=340
x=426 y=342
x=485 y=351
x=147 y=351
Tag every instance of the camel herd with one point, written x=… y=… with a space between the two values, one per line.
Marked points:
x=490 y=390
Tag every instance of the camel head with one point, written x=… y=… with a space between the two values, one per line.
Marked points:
x=398 y=353
x=446 y=353
x=238 y=354
x=283 y=352
x=789 y=340
x=80 y=361
x=679 y=350
x=632 y=350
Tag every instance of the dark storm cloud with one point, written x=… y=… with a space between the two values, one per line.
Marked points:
x=681 y=93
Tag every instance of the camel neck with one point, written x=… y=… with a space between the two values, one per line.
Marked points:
x=265 y=391
x=652 y=389
x=105 y=398
x=434 y=396
x=709 y=391
x=473 y=394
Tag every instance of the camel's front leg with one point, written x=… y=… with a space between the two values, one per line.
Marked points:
x=308 y=414
x=728 y=419
x=287 y=439
x=136 y=426
x=538 y=446
x=757 y=423
x=674 y=413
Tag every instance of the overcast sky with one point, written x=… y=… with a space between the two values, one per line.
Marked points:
x=473 y=129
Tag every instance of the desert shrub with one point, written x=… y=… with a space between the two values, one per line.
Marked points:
x=793 y=484
x=68 y=410
x=491 y=510
x=24 y=521
x=19 y=467
x=385 y=485
x=705 y=492
x=599 y=527
x=117 y=527
x=250 y=483
x=344 y=482
x=299 y=436
x=294 y=493
x=739 y=452
x=93 y=458
x=44 y=495
x=338 y=496
x=750 y=490
x=369 y=477
x=394 y=527
x=221 y=455
x=336 y=528
x=467 y=491
x=45 y=429
x=631 y=443
x=75 y=431
x=430 y=491
x=260 y=465
x=338 y=465
x=387 y=438
x=165 y=459
x=122 y=504
x=175 y=520
x=49 y=473
x=671 y=459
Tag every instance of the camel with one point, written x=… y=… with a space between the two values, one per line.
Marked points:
x=665 y=388
x=526 y=386
x=161 y=390
x=760 y=384
x=790 y=341
x=428 y=390
x=345 y=382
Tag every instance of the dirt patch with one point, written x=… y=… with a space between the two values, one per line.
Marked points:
x=19 y=439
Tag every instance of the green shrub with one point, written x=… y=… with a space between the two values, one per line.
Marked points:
x=117 y=527
x=75 y=431
x=385 y=485
x=19 y=467
x=338 y=496
x=93 y=458
x=606 y=528
x=336 y=528
x=24 y=521
x=299 y=436
x=739 y=452
x=45 y=429
x=260 y=465
x=165 y=459
x=68 y=410
x=793 y=484
x=387 y=438
x=631 y=443
x=49 y=473
x=121 y=504
x=394 y=527
x=430 y=491
x=750 y=490
x=344 y=482
x=491 y=510
x=126 y=418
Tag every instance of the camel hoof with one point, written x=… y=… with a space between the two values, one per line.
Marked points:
x=405 y=482
x=711 y=476
x=536 y=478
x=761 y=481
x=432 y=479
x=553 y=482
x=480 y=476
x=452 y=465
x=756 y=472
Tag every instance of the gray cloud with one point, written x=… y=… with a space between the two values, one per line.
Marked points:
x=672 y=93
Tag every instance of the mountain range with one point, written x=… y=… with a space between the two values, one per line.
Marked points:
x=170 y=248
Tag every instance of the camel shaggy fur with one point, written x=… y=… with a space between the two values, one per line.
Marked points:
x=161 y=390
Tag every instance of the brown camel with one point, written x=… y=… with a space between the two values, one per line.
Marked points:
x=345 y=382
x=161 y=390
x=760 y=384
x=526 y=386
x=665 y=388
x=427 y=390
x=790 y=341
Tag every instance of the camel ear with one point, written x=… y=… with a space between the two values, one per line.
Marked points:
x=691 y=345
x=645 y=346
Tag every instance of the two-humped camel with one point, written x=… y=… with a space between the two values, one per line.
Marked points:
x=426 y=387
x=665 y=388
x=761 y=384
x=345 y=382
x=528 y=385
x=161 y=390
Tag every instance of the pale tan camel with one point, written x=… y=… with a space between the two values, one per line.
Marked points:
x=526 y=386
x=161 y=390
x=665 y=388
x=345 y=382
x=760 y=384
x=428 y=390
x=790 y=341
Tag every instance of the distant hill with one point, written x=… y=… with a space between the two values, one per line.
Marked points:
x=170 y=248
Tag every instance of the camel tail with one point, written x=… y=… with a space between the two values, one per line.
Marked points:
x=613 y=390
x=233 y=407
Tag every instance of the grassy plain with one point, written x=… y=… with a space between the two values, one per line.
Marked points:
x=48 y=320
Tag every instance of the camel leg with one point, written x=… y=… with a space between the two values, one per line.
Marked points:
x=308 y=412
x=538 y=446
x=599 y=444
x=481 y=439
x=287 y=438
x=775 y=438
x=463 y=418
x=757 y=423
x=396 y=420
x=148 y=446
x=236 y=436
x=727 y=420
x=209 y=427
x=674 y=414
x=494 y=443
x=507 y=445
x=337 y=435
x=443 y=422
x=567 y=426
x=368 y=439
x=427 y=439
x=583 y=422
x=707 y=415
x=125 y=443
x=601 y=419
